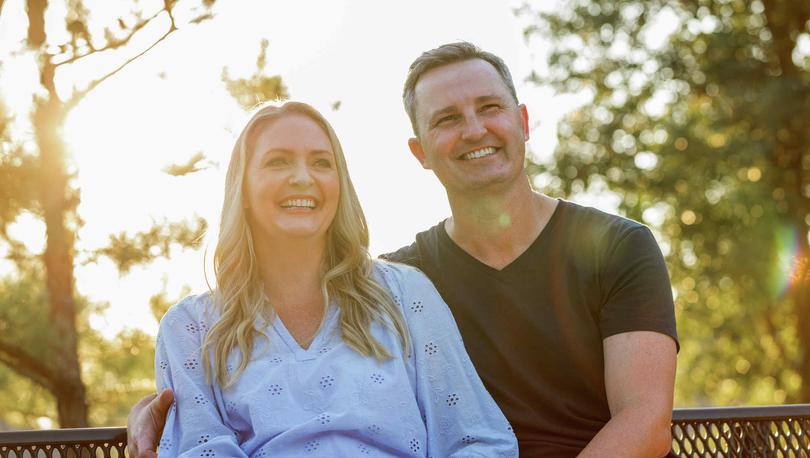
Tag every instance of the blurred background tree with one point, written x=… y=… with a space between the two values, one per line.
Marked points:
x=699 y=120
x=44 y=338
x=56 y=365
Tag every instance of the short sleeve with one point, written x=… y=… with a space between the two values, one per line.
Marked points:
x=194 y=426
x=635 y=287
x=405 y=255
x=461 y=418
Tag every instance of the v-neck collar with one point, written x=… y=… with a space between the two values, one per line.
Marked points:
x=519 y=260
x=317 y=345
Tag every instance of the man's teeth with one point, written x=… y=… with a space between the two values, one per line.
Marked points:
x=479 y=153
x=306 y=203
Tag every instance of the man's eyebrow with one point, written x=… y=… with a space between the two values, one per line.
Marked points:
x=452 y=108
x=488 y=98
x=442 y=111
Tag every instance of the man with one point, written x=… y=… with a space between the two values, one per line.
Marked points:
x=566 y=311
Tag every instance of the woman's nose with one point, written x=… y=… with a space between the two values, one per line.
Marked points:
x=301 y=175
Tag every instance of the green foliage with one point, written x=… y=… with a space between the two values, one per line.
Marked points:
x=117 y=372
x=704 y=136
x=252 y=91
x=159 y=303
x=128 y=251
x=23 y=305
x=24 y=401
x=191 y=166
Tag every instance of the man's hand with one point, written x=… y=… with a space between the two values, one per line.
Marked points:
x=145 y=424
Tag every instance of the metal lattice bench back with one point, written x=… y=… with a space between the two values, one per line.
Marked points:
x=64 y=443
x=764 y=431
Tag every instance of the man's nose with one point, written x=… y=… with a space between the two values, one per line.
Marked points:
x=474 y=128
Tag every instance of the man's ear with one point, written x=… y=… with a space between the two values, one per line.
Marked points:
x=416 y=149
x=524 y=116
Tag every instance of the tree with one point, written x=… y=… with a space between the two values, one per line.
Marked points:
x=700 y=121
x=43 y=346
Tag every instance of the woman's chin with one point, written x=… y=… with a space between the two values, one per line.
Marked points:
x=299 y=233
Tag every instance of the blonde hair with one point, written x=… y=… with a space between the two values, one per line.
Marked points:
x=347 y=265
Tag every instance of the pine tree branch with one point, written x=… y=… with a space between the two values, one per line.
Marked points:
x=21 y=362
x=79 y=95
x=113 y=44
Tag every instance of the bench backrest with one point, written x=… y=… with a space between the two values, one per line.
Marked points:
x=64 y=443
x=762 y=431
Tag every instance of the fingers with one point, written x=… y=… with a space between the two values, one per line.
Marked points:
x=133 y=425
x=153 y=422
x=146 y=422
x=160 y=405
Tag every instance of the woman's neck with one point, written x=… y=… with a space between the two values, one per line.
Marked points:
x=292 y=271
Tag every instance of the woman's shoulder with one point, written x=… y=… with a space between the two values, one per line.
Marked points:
x=402 y=279
x=195 y=308
x=398 y=272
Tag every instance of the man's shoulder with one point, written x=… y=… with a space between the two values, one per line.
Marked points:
x=586 y=217
x=585 y=227
x=412 y=254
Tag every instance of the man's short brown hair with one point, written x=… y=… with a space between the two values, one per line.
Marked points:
x=444 y=55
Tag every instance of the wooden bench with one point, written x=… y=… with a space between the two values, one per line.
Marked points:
x=763 y=431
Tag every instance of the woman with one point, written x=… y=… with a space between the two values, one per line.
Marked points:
x=307 y=347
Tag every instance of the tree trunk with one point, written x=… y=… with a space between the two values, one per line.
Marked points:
x=801 y=300
x=804 y=348
x=58 y=258
x=71 y=404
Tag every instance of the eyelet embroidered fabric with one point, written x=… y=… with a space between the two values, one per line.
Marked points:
x=328 y=400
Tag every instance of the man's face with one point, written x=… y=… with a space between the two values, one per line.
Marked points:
x=471 y=133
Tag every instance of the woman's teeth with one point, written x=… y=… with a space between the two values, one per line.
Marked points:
x=304 y=203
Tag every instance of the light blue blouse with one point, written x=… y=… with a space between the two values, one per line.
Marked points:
x=328 y=400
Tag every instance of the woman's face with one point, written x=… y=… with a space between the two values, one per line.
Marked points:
x=291 y=182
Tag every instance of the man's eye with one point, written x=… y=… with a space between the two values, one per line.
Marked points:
x=446 y=120
x=490 y=107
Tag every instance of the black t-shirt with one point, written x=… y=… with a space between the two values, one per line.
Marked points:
x=534 y=329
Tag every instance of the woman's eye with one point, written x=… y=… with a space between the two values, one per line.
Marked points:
x=275 y=161
x=326 y=163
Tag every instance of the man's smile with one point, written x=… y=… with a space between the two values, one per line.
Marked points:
x=479 y=153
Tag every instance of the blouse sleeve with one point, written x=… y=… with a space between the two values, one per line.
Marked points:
x=194 y=426
x=460 y=416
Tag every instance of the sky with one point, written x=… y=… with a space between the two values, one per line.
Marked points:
x=171 y=103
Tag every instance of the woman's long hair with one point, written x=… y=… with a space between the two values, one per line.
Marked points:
x=347 y=266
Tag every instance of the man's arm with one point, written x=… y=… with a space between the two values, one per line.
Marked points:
x=639 y=381
x=145 y=424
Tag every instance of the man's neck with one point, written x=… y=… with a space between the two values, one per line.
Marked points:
x=497 y=228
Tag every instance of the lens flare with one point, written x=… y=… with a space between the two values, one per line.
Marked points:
x=786 y=265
